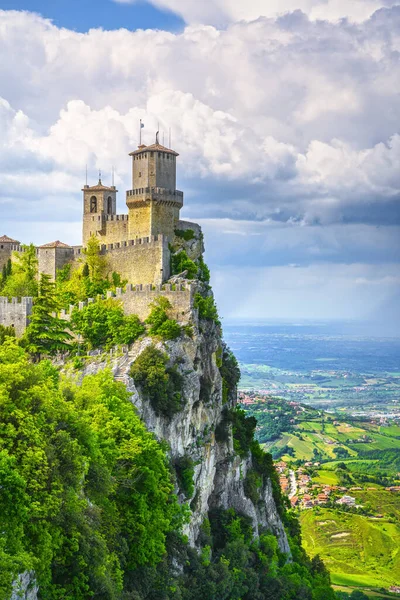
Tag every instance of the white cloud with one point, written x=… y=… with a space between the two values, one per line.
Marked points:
x=222 y=11
x=280 y=123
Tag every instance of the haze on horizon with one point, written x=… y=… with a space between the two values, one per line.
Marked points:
x=286 y=121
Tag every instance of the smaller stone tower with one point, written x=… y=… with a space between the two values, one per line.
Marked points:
x=99 y=204
x=153 y=202
x=54 y=256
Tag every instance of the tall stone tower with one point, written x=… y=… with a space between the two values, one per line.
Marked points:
x=153 y=202
x=99 y=204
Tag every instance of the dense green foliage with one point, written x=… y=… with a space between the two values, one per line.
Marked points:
x=230 y=372
x=103 y=324
x=21 y=274
x=207 y=308
x=181 y=262
x=185 y=234
x=6 y=332
x=160 y=324
x=161 y=384
x=184 y=467
x=234 y=566
x=204 y=271
x=46 y=333
x=85 y=490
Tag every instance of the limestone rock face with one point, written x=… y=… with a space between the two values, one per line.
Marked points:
x=219 y=474
x=25 y=587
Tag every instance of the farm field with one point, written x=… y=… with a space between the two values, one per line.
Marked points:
x=357 y=550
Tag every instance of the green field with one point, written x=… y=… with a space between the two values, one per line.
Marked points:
x=326 y=478
x=357 y=550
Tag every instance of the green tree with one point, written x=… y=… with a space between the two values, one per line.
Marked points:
x=46 y=332
x=162 y=385
x=97 y=264
x=103 y=324
x=6 y=332
x=181 y=262
x=85 y=491
x=22 y=279
x=160 y=324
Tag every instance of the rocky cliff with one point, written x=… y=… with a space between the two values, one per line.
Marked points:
x=219 y=473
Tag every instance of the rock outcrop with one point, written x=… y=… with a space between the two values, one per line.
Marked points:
x=219 y=473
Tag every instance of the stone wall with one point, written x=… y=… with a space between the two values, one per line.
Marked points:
x=136 y=300
x=52 y=259
x=5 y=254
x=15 y=313
x=140 y=261
x=114 y=229
x=139 y=219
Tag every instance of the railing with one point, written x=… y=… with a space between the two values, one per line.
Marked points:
x=156 y=191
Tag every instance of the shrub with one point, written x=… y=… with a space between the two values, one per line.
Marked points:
x=130 y=330
x=185 y=234
x=181 y=262
x=184 y=467
x=230 y=373
x=161 y=384
x=160 y=324
x=243 y=429
x=252 y=485
x=206 y=307
x=103 y=324
x=6 y=332
x=204 y=271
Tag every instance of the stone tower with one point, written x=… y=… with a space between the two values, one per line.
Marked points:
x=99 y=205
x=153 y=202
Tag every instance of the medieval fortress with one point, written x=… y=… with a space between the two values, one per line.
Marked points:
x=137 y=245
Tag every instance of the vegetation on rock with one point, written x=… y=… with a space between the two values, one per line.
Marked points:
x=160 y=384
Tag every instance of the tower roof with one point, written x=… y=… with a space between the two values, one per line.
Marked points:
x=8 y=240
x=153 y=148
x=56 y=244
x=99 y=188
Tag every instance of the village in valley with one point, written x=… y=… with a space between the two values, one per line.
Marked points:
x=341 y=474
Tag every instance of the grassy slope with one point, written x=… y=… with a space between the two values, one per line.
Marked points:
x=358 y=551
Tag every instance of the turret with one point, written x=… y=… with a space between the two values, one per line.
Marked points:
x=99 y=201
x=153 y=202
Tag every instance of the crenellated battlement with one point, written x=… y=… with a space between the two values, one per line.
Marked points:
x=145 y=241
x=115 y=217
x=15 y=313
x=25 y=300
x=137 y=299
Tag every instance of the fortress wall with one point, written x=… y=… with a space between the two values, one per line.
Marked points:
x=141 y=260
x=115 y=229
x=15 y=313
x=5 y=254
x=52 y=259
x=139 y=220
x=136 y=300
x=164 y=219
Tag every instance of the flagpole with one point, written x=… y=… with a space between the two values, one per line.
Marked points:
x=140 y=133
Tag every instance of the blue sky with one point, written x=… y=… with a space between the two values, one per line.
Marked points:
x=285 y=115
x=82 y=15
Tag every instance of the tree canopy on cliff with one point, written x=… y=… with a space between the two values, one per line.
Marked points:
x=85 y=490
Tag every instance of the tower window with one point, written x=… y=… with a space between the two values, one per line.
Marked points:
x=140 y=173
x=109 y=205
x=151 y=154
x=93 y=204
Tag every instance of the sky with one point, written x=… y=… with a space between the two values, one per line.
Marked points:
x=286 y=116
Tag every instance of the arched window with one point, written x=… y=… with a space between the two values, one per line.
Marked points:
x=93 y=204
x=109 y=205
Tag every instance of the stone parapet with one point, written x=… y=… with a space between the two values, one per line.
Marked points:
x=15 y=313
x=154 y=193
x=136 y=300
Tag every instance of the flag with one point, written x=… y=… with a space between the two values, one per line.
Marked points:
x=141 y=125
